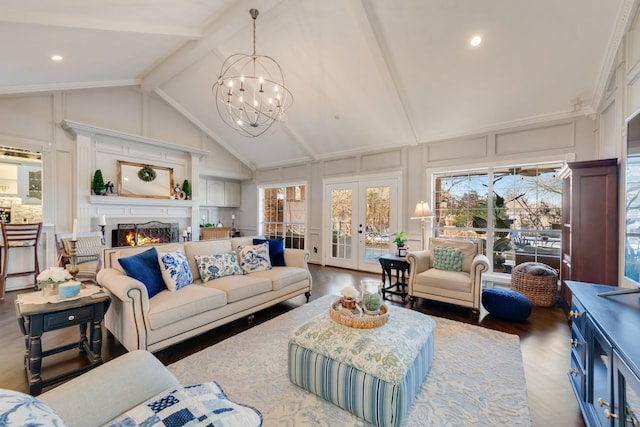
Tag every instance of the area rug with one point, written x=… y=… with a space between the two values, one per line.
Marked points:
x=477 y=376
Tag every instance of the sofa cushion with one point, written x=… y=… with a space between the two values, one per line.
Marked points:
x=19 y=409
x=169 y=307
x=457 y=281
x=145 y=268
x=281 y=277
x=447 y=258
x=240 y=287
x=254 y=257
x=175 y=270
x=198 y=404
x=276 y=250
x=217 y=265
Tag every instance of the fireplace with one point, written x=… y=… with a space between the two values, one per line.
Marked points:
x=148 y=233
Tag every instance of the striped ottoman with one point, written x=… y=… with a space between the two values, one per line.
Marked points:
x=373 y=373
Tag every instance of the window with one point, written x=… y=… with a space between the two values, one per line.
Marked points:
x=515 y=211
x=284 y=214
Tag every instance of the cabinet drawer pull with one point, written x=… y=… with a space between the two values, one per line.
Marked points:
x=602 y=402
x=574 y=372
x=71 y=317
x=574 y=342
x=608 y=414
x=575 y=314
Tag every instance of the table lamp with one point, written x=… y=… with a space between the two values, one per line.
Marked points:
x=423 y=213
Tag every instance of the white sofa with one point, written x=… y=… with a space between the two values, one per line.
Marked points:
x=127 y=391
x=98 y=396
x=140 y=322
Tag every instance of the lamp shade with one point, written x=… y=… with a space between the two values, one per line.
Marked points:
x=422 y=211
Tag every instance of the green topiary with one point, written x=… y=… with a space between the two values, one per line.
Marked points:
x=97 y=185
x=186 y=188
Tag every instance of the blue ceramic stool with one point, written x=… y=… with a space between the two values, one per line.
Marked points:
x=506 y=304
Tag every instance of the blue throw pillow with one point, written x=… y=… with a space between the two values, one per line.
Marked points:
x=145 y=268
x=276 y=250
x=506 y=304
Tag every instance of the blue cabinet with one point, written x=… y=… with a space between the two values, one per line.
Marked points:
x=605 y=355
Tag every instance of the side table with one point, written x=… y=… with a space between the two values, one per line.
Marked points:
x=401 y=265
x=36 y=319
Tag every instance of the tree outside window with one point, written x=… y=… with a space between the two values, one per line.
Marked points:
x=515 y=212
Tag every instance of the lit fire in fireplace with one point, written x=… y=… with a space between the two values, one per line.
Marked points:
x=142 y=240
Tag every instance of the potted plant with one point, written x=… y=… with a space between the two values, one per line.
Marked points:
x=187 y=189
x=400 y=239
x=97 y=185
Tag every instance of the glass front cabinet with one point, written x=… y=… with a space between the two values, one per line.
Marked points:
x=605 y=355
x=627 y=387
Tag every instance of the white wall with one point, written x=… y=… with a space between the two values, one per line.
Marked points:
x=33 y=122
x=621 y=101
x=569 y=139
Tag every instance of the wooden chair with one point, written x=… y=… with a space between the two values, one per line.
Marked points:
x=19 y=236
x=89 y=247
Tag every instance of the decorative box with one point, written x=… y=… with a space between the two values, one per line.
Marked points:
x=69 y=289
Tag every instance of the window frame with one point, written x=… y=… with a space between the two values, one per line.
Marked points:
x=491 y=230
x=298 y=241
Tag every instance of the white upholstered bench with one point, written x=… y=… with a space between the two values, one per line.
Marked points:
x=373 y=373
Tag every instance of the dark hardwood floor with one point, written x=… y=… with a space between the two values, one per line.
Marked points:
x=544 y=339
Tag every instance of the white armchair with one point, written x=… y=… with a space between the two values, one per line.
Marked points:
x=455 y=287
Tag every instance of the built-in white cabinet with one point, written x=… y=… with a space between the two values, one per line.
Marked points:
x=215 y=193
x=22 y=180
x=218 y=193
x=232 y=194
x=30 y=184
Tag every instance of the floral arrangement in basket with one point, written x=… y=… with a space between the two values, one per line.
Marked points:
x=53 y=276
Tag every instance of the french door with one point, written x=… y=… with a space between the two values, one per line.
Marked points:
x=361 y=215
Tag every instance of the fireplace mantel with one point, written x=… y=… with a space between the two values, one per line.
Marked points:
x=99 y=148
x=140 y=207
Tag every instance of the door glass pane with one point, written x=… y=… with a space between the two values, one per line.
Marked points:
x=377 y=236
x=341 y=218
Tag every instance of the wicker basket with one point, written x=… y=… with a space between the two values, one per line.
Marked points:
x=361 y=321
x=541 y=290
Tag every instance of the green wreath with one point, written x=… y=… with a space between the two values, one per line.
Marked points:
x=147 y=174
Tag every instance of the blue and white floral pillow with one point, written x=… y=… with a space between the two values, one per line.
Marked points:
x=175 y=270
x=254 y=257
x=19 y=409
x=217 y=265
x=193 y=405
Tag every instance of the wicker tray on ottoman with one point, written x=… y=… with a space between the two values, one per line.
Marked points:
x=537 y=281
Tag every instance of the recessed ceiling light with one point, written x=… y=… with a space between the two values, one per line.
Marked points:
x=475 y=41
x=56 y=57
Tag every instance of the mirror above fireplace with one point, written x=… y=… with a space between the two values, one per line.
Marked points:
x=140 y=180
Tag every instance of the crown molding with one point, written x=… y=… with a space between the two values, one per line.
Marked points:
x=85 y=129
x=55 y=87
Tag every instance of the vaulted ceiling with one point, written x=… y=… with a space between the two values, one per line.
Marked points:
x=365 y=74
